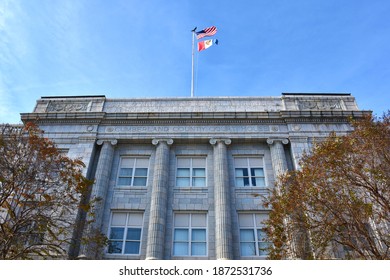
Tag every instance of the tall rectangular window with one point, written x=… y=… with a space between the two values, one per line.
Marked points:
x=252 y=235
x=249 y=172
x=125 y=233
x=191 y=172
x=133 y=171
x=190 y=234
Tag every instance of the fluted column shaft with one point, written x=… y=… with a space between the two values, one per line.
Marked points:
x=158 y=208
x=98 y=194
x=223 y=234
x=278 y=156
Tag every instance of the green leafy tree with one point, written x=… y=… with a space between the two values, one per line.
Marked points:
x=337 y=205
x=40 y=190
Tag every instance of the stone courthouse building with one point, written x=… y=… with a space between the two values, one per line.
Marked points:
x=183 y=178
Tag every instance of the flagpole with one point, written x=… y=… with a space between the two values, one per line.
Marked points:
x=193 y=53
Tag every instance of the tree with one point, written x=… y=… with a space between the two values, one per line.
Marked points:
x=337 y=205
x=40 y=190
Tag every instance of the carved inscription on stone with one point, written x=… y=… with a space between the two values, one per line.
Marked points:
x=188 y=129
x=319 y=105
x=68 y=106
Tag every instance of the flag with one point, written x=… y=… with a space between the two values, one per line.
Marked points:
x=206 y=44
x=207 y=32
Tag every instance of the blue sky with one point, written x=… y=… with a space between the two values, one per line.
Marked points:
x=138 y=48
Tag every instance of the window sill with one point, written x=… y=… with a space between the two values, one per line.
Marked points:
x=190 y=189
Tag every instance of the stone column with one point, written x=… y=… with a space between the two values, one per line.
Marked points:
x=278 y=157
x=299 y=146
x=223 y=233
x=99 y=192
x=158 y=207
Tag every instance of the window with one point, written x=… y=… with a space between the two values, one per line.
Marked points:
x=133 y=171
x=191 y=172
x=249 y=172
x=189 y=237
x=125 y=233
x=252 y=235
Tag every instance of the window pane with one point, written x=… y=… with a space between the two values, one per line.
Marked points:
x=248 y=249
x=180 y=249
x=261 y=235
x=198 y=220
x=258 y=182
x=132 y=247
x=260 y=218
x=182 y=220
x=135 y=219
x=239 y=182
x=241 y=172
x=139 y=181
x=199 y=172
x=255 y=162
x=117 y=233
x=263 y=248
x=183 y=172
x=133 y=234
x=245 y=220
x=258 y=172
x=124 y=181
x=141 y=172
x=183 y=162
x=126 y=172
x=181 y=235
x=246 y=181
x=183 y=182
x=199 y=182
x=198 y=235
x=115 y=247
x=118 y=219
x=198 y=162
x=127 y=162
x=198 y=249
x=247 y=235
x=240 y=162
x=142 y=162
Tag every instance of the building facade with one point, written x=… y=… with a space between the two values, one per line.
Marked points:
x=184 y=178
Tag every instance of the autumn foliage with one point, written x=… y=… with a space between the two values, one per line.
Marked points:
x=40 y=189
x=337 y=205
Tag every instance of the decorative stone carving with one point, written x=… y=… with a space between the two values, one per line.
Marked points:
x=214 y=141
x=76 y=106
x=168 y=140
x=270 y=141
x=319 y=105
x=113 y=142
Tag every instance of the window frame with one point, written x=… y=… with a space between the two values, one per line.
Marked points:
x=124 y=238
x=191 y=171
x=248 y=168
x=255 y=229
x=133 y=175
x=190 y=229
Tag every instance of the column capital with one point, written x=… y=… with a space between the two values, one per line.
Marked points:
x=226 y=141
x=156 y=141
x=271 y=141
x=113 y=142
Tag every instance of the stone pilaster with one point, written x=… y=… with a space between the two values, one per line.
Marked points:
x=158 y=207
x=223 y=233
x=278 y=156
x=299 y=146
x=99 y=192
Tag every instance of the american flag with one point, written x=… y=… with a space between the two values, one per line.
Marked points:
x=207 y=32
